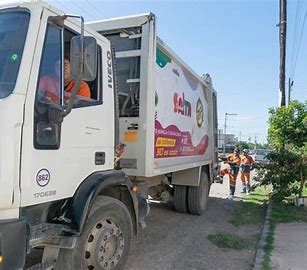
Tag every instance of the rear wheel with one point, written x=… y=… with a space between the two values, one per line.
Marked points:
x=198 y=196
x=180 y=199
x=105 y=241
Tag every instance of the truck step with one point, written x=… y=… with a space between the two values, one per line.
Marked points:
x=42 y=266
x=44 y=230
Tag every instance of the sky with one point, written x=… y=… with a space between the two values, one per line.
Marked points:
x=236 y=42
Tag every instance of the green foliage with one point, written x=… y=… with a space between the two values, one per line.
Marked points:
x=283 y=172
x=288 y=125
x=242 y=145
x=287 y=135
x=245 y=145
x=228 y=241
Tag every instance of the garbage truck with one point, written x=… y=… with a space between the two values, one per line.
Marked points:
x=78 y=171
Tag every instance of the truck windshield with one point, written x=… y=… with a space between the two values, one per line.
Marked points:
x=13 y=31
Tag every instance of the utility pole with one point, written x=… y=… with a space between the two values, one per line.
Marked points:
x=290 y=84
x=240 y=136
x=219 y=138
x=225 y=126
x=282 y=41
x=224 y=143
x=255 y=141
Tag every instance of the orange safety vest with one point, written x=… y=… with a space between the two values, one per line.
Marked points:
x=83 y=90
x=247 y=160
x=235 y=159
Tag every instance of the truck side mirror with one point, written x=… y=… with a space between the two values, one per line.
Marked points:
x=90 y=58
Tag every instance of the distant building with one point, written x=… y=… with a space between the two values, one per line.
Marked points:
x=231 y=141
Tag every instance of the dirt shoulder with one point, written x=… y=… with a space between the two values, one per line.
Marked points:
x=180 y=241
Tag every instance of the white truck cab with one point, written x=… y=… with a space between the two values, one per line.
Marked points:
x=83 y=141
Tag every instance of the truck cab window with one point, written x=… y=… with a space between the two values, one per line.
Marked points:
x=56 y=85
x=49 y=90
x=89 y=92
x=49 y=81
x=13 y=32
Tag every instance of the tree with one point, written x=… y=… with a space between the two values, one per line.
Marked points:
x=288 y=125
x=242 y=145
x=287 y=136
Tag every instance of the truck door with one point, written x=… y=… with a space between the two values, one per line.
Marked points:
x=57 y=156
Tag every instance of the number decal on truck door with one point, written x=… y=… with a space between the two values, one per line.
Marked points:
x=43 y=177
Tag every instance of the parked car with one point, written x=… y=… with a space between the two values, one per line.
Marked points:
x=260 y=156
x=252 y=152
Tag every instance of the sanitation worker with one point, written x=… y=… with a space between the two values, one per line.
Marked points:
x=245 y=168
x=234 y=161
x=83 y=89
x=49 y=85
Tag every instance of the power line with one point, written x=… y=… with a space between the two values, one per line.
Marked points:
x=84 y=10
x=94 y=8
x=295 y=35
x=299 y=44
x=64 y=7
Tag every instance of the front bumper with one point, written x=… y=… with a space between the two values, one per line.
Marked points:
x=13 y=235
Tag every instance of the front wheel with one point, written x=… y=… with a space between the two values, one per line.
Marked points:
x=105 y=241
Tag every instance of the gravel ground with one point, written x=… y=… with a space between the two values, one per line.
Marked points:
x=179 y=241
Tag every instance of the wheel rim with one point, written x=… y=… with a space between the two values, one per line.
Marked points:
x=105 y=245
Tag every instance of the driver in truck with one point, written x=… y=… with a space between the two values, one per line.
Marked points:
x=83 y=90
x=49 y=85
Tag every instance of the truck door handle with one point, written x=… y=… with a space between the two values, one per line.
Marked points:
x=100 y=158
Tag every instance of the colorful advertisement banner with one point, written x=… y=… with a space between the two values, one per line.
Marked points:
x=181 y=120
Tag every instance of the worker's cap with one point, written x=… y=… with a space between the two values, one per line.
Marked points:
x=245 y=151
x=237 y=150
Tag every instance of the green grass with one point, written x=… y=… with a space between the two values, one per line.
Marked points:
x=260 y=195
x=251 y=209
x=268 y=248
x=248 y=213
x=285 y=213
x=227 y=240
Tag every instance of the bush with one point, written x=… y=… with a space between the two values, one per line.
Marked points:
x=286 y=170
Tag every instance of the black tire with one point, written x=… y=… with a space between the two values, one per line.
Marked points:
x=92 y=250
x=180 y=199
x=198 y=196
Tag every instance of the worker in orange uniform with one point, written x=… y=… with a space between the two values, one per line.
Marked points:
x=83 y=89
x=234 y=161
x=245 y=168
x=49 y=85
